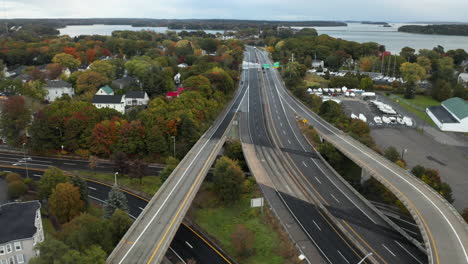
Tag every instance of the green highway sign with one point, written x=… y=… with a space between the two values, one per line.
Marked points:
x=276 y=64
x=266 y=66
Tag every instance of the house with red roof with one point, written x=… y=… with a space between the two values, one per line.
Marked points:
x=175 y=94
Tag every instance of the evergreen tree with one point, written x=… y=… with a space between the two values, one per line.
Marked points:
x=115 y=200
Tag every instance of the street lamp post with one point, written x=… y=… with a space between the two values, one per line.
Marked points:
x=368 y=255
x=115 y=178
x=173 y=138
x=25 y=160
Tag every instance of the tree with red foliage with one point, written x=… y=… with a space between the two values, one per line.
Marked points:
x=90 y=54
x=131 y=138
x=105 y=135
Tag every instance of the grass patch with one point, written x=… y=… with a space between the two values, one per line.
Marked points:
x=271 y=246
x=313 y=80
x=421 y=101
x=149 y=184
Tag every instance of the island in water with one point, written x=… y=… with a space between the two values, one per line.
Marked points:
x=446 y=29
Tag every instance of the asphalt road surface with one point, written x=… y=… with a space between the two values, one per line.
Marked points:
x=149 y=237
x=187 y=243
x=278 y=125
x=445 y=232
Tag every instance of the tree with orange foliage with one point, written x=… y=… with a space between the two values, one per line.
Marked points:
x=65 y=202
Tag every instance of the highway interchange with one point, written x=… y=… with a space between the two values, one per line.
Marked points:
x=445 y=232
x=294 y=168
x=342 y=227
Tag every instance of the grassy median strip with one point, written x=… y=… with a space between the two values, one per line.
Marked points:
x=270 y=244
x=149 y=184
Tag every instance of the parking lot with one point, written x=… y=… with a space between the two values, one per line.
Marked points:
x=358 y=106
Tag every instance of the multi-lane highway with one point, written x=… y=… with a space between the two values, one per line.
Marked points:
x=187 y=243
x=445 y=233
x=302 y=179
x=149 y=237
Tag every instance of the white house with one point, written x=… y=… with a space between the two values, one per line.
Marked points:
x=105 y=90
x=21 y=230
x=133 y=98
x=463 y=78
x=451 y=115
x=116 y=102
x=57 y=88
x=177 y=78
x=318 y=64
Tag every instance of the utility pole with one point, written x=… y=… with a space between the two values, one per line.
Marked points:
x=173 y=138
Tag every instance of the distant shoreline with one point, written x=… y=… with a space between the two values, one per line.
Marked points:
x=447 y=30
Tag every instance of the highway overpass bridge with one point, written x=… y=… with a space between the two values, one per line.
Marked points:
x=444 y=231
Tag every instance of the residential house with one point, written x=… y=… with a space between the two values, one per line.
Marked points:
x=463 y=79
x=177 y=78
x=134 y=98
x=182 y=65
x=116 y=102
x=124 y=82
x=24 y=77
x=21 y=230
x=451 y=115
x=57 y=88
x=318 y=64
x=105 y=90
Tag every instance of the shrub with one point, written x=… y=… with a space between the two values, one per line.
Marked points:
x=16 y=189
x=12 y=177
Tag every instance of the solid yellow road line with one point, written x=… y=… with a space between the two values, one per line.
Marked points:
x=206 y=242
x=182 y=205
x=429 y=232
x=135 y=195
x=360 y=238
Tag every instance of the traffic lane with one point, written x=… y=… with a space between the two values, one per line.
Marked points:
x=379 y=228
x=413 y=253
x=190 y=247
x=99 y=193
x=68 y=164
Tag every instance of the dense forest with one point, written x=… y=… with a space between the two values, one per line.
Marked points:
x=455 y=30
x=206 y=24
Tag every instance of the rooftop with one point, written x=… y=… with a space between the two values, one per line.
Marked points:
x=125 y=80
x=135 y=94
x=442 y=114
x=17 y=220
x=457 y=106
x=57 y=84
x=107 y=89
x=107 y=99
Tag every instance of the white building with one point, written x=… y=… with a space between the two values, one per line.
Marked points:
x=21 y=230
x=57 y=88
x=182 y=65
x=116 y=102
x=105 y=90
x=134 y=98
x=463 y=78
x=318 y=64
x=451 y=115
x=177 y=78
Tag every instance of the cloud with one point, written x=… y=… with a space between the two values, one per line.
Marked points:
x=384 y=10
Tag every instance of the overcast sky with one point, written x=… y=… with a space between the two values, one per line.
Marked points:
x=375 y=10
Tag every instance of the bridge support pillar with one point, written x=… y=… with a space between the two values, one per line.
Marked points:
x=365 y=175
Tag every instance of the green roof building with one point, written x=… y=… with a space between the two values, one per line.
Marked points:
x=105 y=90
x=451 y=115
